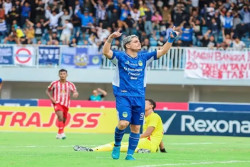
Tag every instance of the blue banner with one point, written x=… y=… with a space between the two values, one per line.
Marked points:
x=48 y=55
x=221 y=107
x=205 y=123
x=6 y=55
x=18 y=102
x=81 y=57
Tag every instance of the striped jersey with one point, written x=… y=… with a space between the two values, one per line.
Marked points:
x=61 y=92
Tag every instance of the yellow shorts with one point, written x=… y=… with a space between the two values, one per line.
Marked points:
x=147 y=144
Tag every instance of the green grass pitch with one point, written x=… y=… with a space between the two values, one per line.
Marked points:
x=21 y=149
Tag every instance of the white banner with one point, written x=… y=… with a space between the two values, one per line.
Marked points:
x=24 y=55
x=217 y=64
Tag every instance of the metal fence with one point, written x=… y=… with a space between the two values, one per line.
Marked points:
x=175 y=59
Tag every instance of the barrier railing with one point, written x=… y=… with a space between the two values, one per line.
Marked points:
x=175 y=59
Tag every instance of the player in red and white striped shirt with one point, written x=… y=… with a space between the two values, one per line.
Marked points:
x=60 y=98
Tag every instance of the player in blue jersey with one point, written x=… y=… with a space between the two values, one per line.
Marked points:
x=129 y=85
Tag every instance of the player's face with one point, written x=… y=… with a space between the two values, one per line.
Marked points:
x=63 y=75
x=135 y=44
x=148 y=106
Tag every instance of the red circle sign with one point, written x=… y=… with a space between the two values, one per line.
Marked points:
x=26 y=60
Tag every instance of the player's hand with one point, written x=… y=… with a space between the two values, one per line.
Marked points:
x=174 y=33
x=75 y=94
x=163 y=150
x=53 y=101
x=116 y=34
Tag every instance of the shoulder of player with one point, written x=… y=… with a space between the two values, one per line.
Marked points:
x=71 y=83
x=54 y=82
x=156 y=116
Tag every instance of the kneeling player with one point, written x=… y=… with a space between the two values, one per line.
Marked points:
x=150 y=140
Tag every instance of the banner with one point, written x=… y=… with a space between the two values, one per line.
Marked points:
x=44 y=119
x=206 y=123
x=217 y=64
x=81 y=57
x=111 y=104
x=6 y=55
x=18 y=102
x=48 y=55
x=221 y=107
x=24 y=55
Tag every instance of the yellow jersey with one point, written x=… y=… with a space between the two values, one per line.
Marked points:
x=155 y=121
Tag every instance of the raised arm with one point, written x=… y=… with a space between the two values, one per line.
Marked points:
x=165 y=48
x=106 y=48
x=103 y=92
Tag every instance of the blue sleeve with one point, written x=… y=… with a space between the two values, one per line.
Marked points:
x=1 y=80
x=115 y=57
x=79 y=14
x=150 y=55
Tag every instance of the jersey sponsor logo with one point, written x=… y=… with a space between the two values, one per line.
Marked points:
x=124 y=91
x=189 y=123
x=127 y=62
x=125 y=114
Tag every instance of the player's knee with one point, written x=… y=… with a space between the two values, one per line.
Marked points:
x=123 y=125
x=60 y=118
x=135 y=128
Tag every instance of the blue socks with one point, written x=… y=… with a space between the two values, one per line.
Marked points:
x=133 y=142
x=118 y=136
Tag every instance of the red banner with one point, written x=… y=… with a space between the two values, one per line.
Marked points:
x=111 y=104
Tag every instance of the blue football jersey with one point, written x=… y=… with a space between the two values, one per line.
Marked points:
x=130 y=73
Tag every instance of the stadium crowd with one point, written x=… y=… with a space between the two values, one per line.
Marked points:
x=205 y=23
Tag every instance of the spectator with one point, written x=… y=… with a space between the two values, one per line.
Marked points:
x=3 y=29
x=98 y=95
x=40 y=12
x=25 y=12
x=66 y=15
x=53 y=17
x=86 y=20
x=187 y=34
x=131 y=24
x=238 y=44
x=73 y=42
x=7 y=5
x=67 y=30
x=123 y=16
x=246 y=18
x=12 y=37
x=227 y=22
x=148 y=24
x=53 y=39
x=156 y=19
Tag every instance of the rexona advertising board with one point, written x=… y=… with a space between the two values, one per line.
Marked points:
x=43 y=119
x=206 y=123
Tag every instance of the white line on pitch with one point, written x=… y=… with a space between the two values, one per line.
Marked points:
x=196 y=163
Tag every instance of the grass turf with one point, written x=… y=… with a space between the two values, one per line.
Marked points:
x=21 y=149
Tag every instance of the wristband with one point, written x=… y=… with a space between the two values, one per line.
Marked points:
x=171 y=40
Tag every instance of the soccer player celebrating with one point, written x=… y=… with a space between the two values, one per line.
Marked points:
x=60 y=98
x=129 y=86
